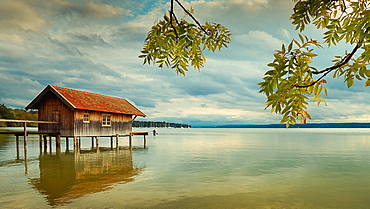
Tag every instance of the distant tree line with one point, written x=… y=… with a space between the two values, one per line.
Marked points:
x=153 y=124
x=17 y=114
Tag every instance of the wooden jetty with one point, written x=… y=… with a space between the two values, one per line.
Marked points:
x=77 y=140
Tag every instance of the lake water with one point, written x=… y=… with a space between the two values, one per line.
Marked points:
x=194 y=168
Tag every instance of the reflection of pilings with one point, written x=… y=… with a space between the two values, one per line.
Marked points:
x=58 y=151
x=25 y=162
x=40 y=141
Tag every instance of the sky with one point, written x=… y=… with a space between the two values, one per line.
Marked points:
x=93 y=45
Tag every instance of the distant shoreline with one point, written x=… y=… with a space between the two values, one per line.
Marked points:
x=309 y=125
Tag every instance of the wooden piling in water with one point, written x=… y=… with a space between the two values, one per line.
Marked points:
x=51 y=144
x=67 y=143
x=25 y=135
x=144 y=141
x=45 y=141
x=117 y=138
x=130 y=140
x=75 y=142
x=97 y=142
x=17 y=142
x=57 y=141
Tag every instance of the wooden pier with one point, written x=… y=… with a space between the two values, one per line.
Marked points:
x=43 y=136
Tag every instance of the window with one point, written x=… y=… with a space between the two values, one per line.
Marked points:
x=106 y=120
x=86 y=118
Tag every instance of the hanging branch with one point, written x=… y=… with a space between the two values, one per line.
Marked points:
x=326 y=71
x=178 y=44
x=172 y=14
x=192 y=17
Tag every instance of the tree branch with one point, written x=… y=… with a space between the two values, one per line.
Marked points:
x=172 y=14
x=192 y=17
x=326 y=71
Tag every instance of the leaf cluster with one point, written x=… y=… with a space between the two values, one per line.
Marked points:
x=177 y=44
x=291 y=69
x=292 y=81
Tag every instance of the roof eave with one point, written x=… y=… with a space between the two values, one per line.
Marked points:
x=33 y=104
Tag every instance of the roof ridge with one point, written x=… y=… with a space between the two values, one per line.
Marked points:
x=90 y=93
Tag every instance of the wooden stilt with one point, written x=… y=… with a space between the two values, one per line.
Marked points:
x=57 y=141
x=45 y=142
x=111 y=142
x=130 y=141
x=67 y=143
x=92 y=141
x=144 y=141
x=79 y=142
x=25 y=135
x=97 y=142
x=51 y=144
x=17 y=142
x=117 y=138
x=74 y=141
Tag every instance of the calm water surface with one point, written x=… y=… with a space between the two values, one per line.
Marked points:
x=194 y=168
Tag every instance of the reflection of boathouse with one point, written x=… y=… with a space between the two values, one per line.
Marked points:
x=64 y=177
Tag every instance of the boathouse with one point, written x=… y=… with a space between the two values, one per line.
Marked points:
x=82 y=114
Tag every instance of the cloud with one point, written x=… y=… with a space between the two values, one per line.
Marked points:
x=259 y=39
x=17 y=16
x=86 y=10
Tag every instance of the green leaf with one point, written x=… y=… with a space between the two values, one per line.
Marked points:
x=367 y=83
x=350 y=81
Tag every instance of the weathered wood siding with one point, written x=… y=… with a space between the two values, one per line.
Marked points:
x=120 y=124
x=53 y=109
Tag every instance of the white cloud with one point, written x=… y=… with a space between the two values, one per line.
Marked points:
x=259 y=39
x=285 y=33
x=17 y=16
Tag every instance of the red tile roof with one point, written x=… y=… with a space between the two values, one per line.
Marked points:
x=96 y=102
x=83 y=100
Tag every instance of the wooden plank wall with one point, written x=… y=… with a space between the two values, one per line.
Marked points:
x=53 y=109
x=120 y=124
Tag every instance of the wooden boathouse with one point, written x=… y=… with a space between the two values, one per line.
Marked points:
x=79 y=114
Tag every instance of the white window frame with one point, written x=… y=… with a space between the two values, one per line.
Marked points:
x=84 y=118
x=106 y=120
